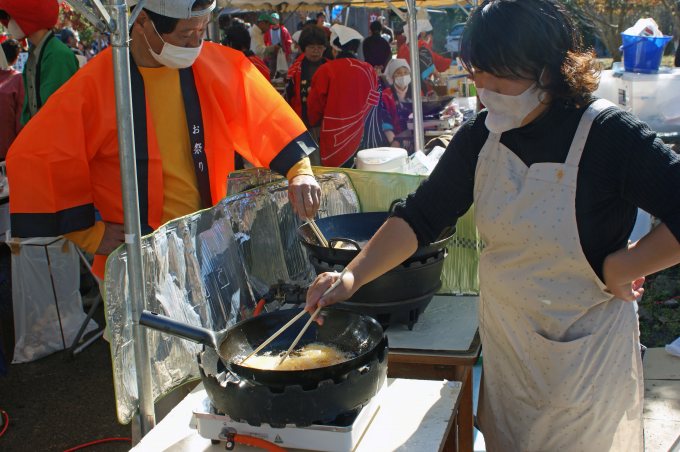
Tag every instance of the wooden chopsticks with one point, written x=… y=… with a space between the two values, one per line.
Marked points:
x=318 y=233
x=274 y=336
x=312 y=317
x=293 y=320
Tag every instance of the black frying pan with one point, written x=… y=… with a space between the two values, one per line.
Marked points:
x=359 y=335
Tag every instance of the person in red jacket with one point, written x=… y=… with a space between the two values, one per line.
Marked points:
x=345 y=99
x=313 y=44
x=237 y=37
x=398 y=99
x=11 y=95
x=431 y=63
x=278 y=35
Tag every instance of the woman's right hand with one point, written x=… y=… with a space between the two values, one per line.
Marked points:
x=342 y=292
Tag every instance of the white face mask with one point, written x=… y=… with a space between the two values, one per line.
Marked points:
x=15 y=30
x=174 y=56
x=508 y=112
x=402 y=81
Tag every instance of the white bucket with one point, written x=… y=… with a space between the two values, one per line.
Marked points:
x=386 y=160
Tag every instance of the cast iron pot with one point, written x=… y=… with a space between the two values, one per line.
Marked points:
x=359 y=335
x=356 y=228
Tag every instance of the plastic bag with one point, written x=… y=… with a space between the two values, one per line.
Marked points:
x=674 y=348
x=281 y=63
x=48 y=311
x=644 y=27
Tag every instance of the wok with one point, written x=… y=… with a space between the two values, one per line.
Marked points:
x=433 y=107
x=356 y=228
x=360 y=336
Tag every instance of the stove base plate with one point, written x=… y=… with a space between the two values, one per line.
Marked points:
x=327 y=438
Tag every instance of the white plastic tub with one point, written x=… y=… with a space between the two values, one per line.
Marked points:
x=386 y=160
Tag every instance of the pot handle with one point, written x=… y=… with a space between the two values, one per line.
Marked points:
x=394 y=203
x=165 y=324
x=340 y=239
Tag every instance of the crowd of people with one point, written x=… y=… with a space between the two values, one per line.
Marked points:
x=374 y=114
x=52 y=57
x=339 y=82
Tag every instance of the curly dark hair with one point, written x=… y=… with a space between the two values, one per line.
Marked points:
x=531 y=39
x=312 y=35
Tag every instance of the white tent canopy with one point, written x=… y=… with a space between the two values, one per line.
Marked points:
x=315 y=4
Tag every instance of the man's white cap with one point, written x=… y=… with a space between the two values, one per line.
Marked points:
x=344 y=34
x=177 y=9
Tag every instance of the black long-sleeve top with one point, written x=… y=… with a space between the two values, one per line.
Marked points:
x=623 y=166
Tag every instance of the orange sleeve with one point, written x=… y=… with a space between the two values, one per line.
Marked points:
x=48 y=164
x=267 y=132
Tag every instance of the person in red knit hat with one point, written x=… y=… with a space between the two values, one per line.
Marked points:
x=50 y=62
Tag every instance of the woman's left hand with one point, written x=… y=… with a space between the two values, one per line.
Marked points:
x=628 y=291
x=619 y=285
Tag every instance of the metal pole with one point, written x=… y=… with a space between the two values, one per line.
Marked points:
x=128 y=175
x=418 y=135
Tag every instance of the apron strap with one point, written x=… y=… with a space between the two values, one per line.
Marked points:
x=581 y=135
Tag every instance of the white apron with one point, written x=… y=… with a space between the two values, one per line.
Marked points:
x=562 y=368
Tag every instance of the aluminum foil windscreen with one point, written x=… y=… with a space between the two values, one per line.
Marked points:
x=208 y=269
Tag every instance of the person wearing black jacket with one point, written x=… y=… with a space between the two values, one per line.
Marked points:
x=377 y=51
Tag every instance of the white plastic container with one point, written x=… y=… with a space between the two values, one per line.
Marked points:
x=654 y=98
x=386 y=160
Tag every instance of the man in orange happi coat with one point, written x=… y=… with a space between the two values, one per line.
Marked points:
x=194 y=105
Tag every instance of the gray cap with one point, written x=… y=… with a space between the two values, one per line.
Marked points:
x=177 y=9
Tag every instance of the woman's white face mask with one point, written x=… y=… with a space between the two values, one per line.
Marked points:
x=402 y=81
x=174 y=56
x=15 y=30
x=507 y=112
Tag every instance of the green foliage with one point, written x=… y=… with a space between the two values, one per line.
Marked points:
x=607 y=19
x=660 y=324
x=72 y=19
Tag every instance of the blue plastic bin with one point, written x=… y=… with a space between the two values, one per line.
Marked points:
x=643 y=53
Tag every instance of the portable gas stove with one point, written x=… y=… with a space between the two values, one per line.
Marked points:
x=342 y=435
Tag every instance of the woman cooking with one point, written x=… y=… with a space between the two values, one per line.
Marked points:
x=556 y=177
